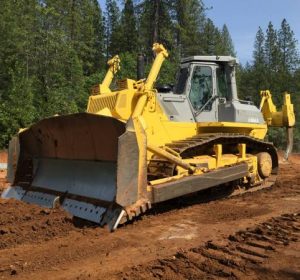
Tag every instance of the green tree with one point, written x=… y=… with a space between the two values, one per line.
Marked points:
x=259 y=48
x=210 y=39
x=82 y=25
x=53 y=76
x=17 y=23
x=272 y=51
x=129 y=38
x=289 y=60
x=155 y=25
x=226 y=41
x=288 y=48
x=128 y=65
x=190 y=20
x=112 y=28
x=98 y=44
x=246 y=83
x=259 y=65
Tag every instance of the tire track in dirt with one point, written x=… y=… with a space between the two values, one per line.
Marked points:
x=241 y=254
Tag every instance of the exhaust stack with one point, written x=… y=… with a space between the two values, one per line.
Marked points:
x=140 y=70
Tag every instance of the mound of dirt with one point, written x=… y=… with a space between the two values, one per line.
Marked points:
x=24 y=223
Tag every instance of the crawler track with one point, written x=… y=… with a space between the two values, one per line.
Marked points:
x=203 y=145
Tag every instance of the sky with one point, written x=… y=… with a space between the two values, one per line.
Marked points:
x=243 y=17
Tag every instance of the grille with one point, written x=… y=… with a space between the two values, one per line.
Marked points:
x=100 y=102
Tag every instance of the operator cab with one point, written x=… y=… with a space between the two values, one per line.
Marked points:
x=205 y=91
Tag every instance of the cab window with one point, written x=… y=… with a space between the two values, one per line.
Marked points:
x=224 y=87
x=201 y=87
x=182 y=77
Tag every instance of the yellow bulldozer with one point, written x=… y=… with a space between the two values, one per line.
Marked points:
x=139 y=145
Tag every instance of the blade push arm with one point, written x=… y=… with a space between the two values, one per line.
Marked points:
x=147 y=89
x=161 y=55
x=113 y=68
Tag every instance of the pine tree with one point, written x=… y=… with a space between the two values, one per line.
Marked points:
x=289 y=58
x=80 y=22
x=272 y=53
x=227 y=43
x=155 y=25
x=211 y=39
x=17 y=22
x=272 y=48
x=288 y=48
x=98 y=46
x=89 y=33
x=190 y=21
x=247 y=89
x=129 y=39
x=52 y=75
x=112 y=28
x=259 y=48
x=259 y=71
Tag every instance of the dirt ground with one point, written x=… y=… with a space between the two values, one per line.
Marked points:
x=250 y=236
x=3 y=159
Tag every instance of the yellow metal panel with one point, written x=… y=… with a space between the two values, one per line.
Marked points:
x=255 y=130
x=284 y=118
x=99 y=102
x=242 y=150
x=161 y=55
x=218 y=152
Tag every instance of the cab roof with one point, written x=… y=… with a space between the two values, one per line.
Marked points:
x=211 y=58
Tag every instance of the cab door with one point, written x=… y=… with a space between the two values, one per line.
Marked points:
x=202 y=92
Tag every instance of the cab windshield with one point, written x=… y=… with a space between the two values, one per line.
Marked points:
x=201 y=87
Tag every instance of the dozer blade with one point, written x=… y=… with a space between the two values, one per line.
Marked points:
x=71 y=161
